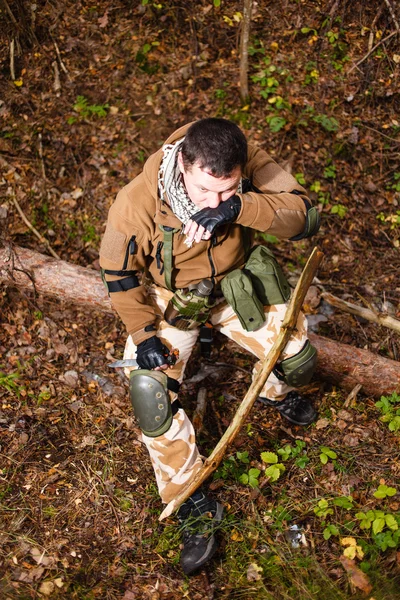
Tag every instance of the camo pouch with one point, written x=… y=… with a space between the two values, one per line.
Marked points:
x=238 y=290
x=269 y=281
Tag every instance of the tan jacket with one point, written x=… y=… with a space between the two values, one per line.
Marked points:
x=138 y=211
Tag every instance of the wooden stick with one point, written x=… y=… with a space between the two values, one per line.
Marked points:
x=255 y=388
x=360 y=311
x=32 y=228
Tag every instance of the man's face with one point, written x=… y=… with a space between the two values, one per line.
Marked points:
x=205 y=190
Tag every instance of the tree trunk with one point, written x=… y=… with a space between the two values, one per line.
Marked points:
x=343 y=365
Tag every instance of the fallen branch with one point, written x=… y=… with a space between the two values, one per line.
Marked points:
x=360 y=311
x=372 y=49
x=32 y=228
x=342 y=364
x=289 y=322
x=392 y=14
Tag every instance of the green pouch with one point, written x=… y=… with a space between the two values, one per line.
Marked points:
x=238 y=291
x=269 y=282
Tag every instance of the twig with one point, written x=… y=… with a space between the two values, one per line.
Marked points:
x=392 y=14
x=198 y=414
x=62 y=65
x=32 y=228
x=255 y=388
x=12 y=67
x=380 y=133
x=352 y=396
x=56 y=84
x=41 y=155
x=372 y=49
x=365 y=313
x=11 y=15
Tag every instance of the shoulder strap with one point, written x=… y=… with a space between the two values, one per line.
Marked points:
x=168 y=254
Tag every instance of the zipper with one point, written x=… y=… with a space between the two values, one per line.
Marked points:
x=130 y=250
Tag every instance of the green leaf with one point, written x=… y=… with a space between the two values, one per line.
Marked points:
x=343 y=502
x=394 y=424
x=302 y=462
x=269 y=457
x=384 y=490
x=273 y=472
x=391 y=522
x=328 y=452
x=244 y=478
x=217 y=3
x=276 y=123
x=243 y=457
x=253 y=477
x=378 y=525
x=323 y=458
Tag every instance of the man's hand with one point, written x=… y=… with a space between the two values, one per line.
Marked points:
x=152 y=354
x=203 y=224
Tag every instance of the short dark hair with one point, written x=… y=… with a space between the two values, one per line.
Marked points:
x=217 y=145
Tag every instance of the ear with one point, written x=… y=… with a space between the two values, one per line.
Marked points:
x=180 y=163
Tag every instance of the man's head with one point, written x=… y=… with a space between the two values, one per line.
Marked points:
x=211 y=160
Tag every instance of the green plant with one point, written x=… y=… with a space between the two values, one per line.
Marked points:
x=300 y=178
x=86 y=110
x=275 y=122
x=339 y=209
x=250 y=478
x=383 y=491
x=329 y=531
x=330 y=171
x=396 y=185
x=142 y=58
x=297 y=451
x=312 y=73
x=231 y=467
x=326 y=454
x=390 y=409
x=323 y=509
x=328 y=123
x=378 y=520
x=8 y=381
x=275 y=470
x=393 y=219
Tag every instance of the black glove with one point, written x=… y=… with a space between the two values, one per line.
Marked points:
x=211 y=218
x=152 y=353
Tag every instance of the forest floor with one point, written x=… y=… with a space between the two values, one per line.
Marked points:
x=91 y=90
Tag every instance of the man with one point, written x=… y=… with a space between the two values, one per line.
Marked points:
x=182 y=228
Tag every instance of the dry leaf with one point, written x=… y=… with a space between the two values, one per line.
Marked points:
x=322 y=423
x=253 y=572
x=236 y=536
x=46 y=588
x=357 y=577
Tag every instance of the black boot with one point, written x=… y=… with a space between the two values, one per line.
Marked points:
x=198 y=517
x=294 y=408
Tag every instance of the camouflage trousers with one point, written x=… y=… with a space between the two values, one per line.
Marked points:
x=174 y=455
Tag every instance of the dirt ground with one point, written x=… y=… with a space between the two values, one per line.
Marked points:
x=89 y=91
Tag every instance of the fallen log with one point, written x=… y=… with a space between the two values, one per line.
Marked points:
x=342 y=364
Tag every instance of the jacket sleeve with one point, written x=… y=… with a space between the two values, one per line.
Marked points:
x=122 y=260
x=280 y=205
